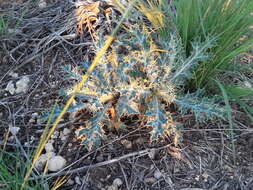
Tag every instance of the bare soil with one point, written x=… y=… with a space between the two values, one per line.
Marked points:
x=37 y=46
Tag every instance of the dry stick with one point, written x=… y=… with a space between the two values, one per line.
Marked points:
x=76 y=90
x=89 y=153
x=125 y=177
x=138 y=153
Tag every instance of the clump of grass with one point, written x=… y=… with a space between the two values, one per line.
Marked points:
x=240 y=90
x=228 y=20
x=13 y=167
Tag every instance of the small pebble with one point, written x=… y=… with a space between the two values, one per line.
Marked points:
x=70 y=145
x=77 y=132
x=112 y=187
x=70 y=182
x=55 y=135
x=100 y=158
x=66 y=131
x=158 y=174
x=35 y=115
x=14 y=130
x=11 y=138
x=118 y=182
x=56 y=163
x=32 y=120
x=152 y=166
x=127 y=144
x=78 y=180
x=10 y=88
x=150 y=180
x=22 y=84
x=13 y=74
x=64 y=138
x=152 y=154
x=140 y=141
x=40 y=163
x=49 y=147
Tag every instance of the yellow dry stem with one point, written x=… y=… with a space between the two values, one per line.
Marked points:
x=156 y=17
x=77 y=89
x=226 y=4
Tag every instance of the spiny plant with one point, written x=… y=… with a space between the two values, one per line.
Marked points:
x=141 y=76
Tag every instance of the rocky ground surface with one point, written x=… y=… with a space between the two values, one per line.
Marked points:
x=41 y=38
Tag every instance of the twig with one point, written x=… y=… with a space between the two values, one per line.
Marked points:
x=125 y=177
x=138 y=153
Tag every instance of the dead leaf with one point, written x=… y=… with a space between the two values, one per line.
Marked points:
x=86 y=16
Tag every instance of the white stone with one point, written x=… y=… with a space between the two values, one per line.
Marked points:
x=117 y=182
x=70 y=145
x=77 y=132
x=49 y=147
x=247 y=84
x=112 y=187
x=32 y=120
x=10 y=88
x=55 y=135
x=78 y=180
x=42 y=4
x=152 y=154
x=22 y=84
x=32 y=138
x=127 y=144
x=14 y=130
x=12 y=74
x=66 y=131
x=11 y=30
x=158 y=174
x=11 y=138
x=150 y=180
x=41 y=162
x=35 y=115
x=56 y=163
x=70 y=182
x=63 y=138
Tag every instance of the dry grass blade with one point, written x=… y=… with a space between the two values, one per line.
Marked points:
x=59 y=182
x=154 y=15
